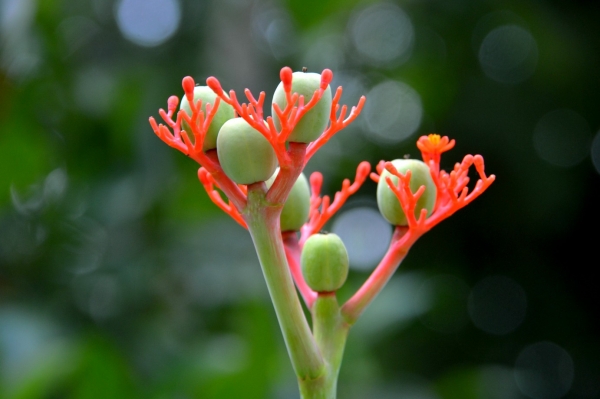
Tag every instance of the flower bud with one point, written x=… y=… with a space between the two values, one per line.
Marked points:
x=223 y=114
x=246 y=156
x=388 y=203
x=296 y=208
x=314 y=122
x=324 y=262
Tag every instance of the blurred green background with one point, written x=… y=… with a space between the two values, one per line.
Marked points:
x=120 y=279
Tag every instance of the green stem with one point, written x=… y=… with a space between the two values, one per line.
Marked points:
x=263 y=224
x=330 y=331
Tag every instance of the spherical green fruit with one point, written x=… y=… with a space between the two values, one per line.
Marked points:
x=246 y=156
x=324 y=262
x=314 y=122
x=223 y=114
x=388 y=203
x=296 y=208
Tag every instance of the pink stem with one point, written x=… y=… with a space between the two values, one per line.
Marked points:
x=292 y=253
x=288 y=173
x=398 y=249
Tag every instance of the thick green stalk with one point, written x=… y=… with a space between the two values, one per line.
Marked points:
x=330 y=331
x=263 y=223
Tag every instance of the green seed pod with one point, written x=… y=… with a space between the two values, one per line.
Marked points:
x=297 y=205
x=324 y=262
x=246 y=156
x=314 y=122
x=223 y=114
x=388 y=203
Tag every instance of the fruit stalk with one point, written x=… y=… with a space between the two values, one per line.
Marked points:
x=330 y=331
x=262 y=219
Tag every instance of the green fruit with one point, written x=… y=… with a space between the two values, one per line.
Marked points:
x=246 y=156
x=314 y=122
x=223 y=114
x=388 y=203
x=324 y=262
x=297 y=205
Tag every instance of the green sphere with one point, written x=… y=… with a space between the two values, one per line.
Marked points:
x=388 y=203
x=246 y=156
x=324 y=262
x=296 y=208
x=223 y=114
x=314 y=122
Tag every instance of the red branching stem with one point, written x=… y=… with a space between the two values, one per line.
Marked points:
x=379 y=168
x=336 y=123
x=253 y=114
x=452 y=195
x=199 y=124
x=296 y=108
x=318 y=218
x=288 y=173
x=292 y=114
x=210 y=184
x=432 y=146
x=452 y=191
x=406 y=198
x=292 y=253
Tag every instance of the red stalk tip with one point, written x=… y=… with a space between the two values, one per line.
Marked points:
x=286 y=78
x=214 y=84
x=326 y=77
x=172 y=103
x=316 y=182
x=203 y=176
x=188 y=84
x=363 y=170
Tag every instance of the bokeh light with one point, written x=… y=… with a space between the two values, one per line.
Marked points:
x=148 y=23
x=508 y=54
x=366 y=236
x=274 y=32
x=397 y=307
x=29 y=340
x=19 y=54
x=497 y=305
x=562 y=138
x=393 y=112
x=326 y=51
x=544 y=370
x=382 y=34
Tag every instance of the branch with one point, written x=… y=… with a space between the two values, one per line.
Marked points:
x=293 y=251
x=396 y=252
x=336 y=123
x=209 y=184
x=199 y=124
x=317 y=219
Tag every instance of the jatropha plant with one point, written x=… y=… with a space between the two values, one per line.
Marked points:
x=251 y=167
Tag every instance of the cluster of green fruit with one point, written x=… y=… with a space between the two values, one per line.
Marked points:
x=247 y=157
